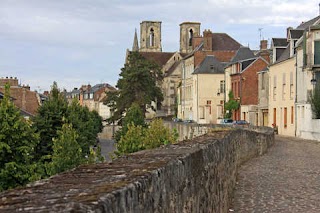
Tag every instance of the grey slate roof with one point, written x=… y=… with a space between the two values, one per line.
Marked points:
x=96 y=87
x=210 y=65
x=285 y=55
x=296 y=34
x=279 y=42
x=242 y=54
x=305 y=25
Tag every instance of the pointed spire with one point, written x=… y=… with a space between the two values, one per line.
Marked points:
x=135 y=46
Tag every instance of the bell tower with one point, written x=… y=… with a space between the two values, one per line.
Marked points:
x=188 y=30
x=150 y=36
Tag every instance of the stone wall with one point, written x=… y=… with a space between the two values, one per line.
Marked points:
x=193 y=176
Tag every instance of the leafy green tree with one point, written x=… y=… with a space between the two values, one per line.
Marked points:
x=49 y=120
x=315 y=101
x=54 y=113
x=231 y=105
x=87 y=124
x=133 y=116
x=138 y=83
x=17 y=143
x=67 y=153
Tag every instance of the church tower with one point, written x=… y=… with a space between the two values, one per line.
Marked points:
x=150 y=36
x=188 y=30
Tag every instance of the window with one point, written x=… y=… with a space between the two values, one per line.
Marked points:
x=274 y=88
x=292 y=115
x=209 y=106
x=151 y=37
x=222 y=86
x=285 y=117
x=262 y=80
x=275 y=116
x=190 y=37
x=291 y=85
x=283 y=86
x=201 y=116
x=316 y=52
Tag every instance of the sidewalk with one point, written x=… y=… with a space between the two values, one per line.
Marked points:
x=286 y=179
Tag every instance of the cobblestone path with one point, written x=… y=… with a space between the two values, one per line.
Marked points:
x=286 y=179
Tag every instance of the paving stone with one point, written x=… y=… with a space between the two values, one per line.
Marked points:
x=285 y=179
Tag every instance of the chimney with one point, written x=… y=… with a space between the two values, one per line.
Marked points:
x=46 y=93
x=27 y=87
x=207 y=40
x=263 y=44
x=11 y=81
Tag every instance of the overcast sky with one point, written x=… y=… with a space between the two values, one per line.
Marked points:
x=76 y=42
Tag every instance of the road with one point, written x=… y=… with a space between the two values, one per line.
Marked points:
x=107 y=147
x=285 y=179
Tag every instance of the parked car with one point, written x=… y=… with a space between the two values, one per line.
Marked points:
x=241 y=123
x=177 y=120
x=226 y=121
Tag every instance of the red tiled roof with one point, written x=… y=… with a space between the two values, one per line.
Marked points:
x=221 y=56
x=24 y=99
x=222 y=41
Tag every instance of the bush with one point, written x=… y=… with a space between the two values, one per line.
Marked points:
x=134 y=116
x=157 y=134
x=132 y=141
x=138 y=137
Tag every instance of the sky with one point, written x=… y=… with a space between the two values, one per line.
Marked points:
x=78 y=42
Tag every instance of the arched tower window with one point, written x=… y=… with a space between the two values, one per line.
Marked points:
x=190 y=37
x=151 y=37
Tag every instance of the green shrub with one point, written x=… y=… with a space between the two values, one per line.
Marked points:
x=138 y=137
x=157 y=134
x=132 y=141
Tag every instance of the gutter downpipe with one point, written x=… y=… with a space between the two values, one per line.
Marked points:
x=296 y=97
x=198 y=100
x=184 y=89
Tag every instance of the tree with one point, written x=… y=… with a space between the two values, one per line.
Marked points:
x=138 y=83
x=17 y=143
x=315 y=101
x=49 y=120
x=54 y=113
x=67 y=153
x=133 y=116
x=87 y=124
x=231 y=105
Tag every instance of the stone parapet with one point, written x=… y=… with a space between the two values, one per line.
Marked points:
x=192 y=176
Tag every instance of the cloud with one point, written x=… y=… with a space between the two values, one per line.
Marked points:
x=86 y=40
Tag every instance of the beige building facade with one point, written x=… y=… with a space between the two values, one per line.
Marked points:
x=282 y=96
